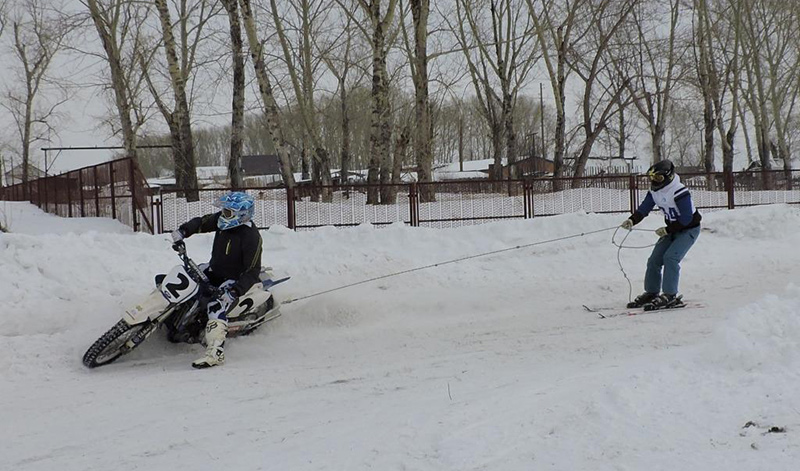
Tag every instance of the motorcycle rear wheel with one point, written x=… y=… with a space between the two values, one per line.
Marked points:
x=117 y=341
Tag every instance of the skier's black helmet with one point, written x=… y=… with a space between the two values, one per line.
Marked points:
x=661 y=174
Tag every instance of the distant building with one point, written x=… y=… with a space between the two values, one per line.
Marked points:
x=261 y=170
x=14 y=175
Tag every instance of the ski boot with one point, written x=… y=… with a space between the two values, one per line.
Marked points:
x=642 y=299
x=665 y=301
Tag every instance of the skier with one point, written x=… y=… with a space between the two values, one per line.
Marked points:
x=234 y=267
x=681 y=231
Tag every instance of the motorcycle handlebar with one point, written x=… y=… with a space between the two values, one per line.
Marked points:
x=195 y=271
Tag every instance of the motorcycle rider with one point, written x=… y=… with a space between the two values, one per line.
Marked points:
x=234 y=267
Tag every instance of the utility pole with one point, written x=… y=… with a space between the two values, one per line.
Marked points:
x=541 y=118
x=460 y=140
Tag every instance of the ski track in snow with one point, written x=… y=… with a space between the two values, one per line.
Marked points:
x=488 y=364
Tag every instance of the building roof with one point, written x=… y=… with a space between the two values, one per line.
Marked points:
x=17 y=170
x=260 y=165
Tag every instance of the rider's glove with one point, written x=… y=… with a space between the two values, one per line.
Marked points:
x=177 y=236
x=220 y=306
x=627 y=224
x=229 y=295
x=177 y=240
x=661 y=231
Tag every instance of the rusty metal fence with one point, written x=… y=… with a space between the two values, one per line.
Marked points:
x=118 y=190
x=459 y=203
x=115 y=189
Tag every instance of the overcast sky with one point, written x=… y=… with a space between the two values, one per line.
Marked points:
x=83 y=115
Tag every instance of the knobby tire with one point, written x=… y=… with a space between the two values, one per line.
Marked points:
x=109 y=339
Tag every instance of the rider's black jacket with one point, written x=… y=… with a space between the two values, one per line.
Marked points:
x=236 y=254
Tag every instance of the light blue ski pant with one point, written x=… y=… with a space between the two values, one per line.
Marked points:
x=668 y=252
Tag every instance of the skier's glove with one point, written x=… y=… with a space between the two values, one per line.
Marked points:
x=661 y=231
x=627 y=224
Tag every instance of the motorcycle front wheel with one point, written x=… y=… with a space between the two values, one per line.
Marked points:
x=119 y=340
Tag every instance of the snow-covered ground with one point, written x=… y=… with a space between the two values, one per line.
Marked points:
x=488 y=364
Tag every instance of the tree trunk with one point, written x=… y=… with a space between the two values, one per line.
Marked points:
x=561 y=119
x=381 y=129
x=305 y=168
x=345 y=151
x=708 y=134
x=118 y=78
x=420 y=10
x=303 y=85
x=271 y=111
x=657 y=138
x=400 y=149
x=184 y=158
x=497 y=150
x=237 y=105
x=26 y=142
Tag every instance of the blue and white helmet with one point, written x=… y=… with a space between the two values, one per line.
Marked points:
x=237 y=208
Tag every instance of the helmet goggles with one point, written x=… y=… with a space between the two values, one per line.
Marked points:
x=655 y=177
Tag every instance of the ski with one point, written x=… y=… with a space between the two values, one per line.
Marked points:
x=608 y=312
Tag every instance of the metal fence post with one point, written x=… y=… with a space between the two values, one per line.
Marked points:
x=69 y=195
x=633 y=193
x=46 y=200
x=290 y=208
x=96 y=194
x=80 y=189
x=729 y=189
x=113 y=199
x=413 y=204
x=161 y=210
x=134 y=203
x=527 y=198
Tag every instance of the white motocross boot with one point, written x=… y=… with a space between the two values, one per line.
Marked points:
x=216 y=330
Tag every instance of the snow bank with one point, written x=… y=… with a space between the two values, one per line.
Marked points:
x=25 y=218
x=755 y=223
x=763 y=336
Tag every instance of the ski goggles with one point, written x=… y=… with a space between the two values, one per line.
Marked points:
x=228 y=213
x=655 y=177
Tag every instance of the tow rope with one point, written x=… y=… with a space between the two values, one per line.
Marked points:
x=461 y=259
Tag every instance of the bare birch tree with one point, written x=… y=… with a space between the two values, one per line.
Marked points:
x=718 y=71
x=237 y=101
x=39 y=33
x=423 y=131
x=782 y=59
x=592 y=60
x=380 y=39
x=717 y=43
x=500 y=53
x=271 y=109
x=558 y=28
x=341 y=56
x=182 y=65
x=758 y=21
x=303 y=67
x=119 y=26
x=657 y=64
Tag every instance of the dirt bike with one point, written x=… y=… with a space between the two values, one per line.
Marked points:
x=179 y=304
